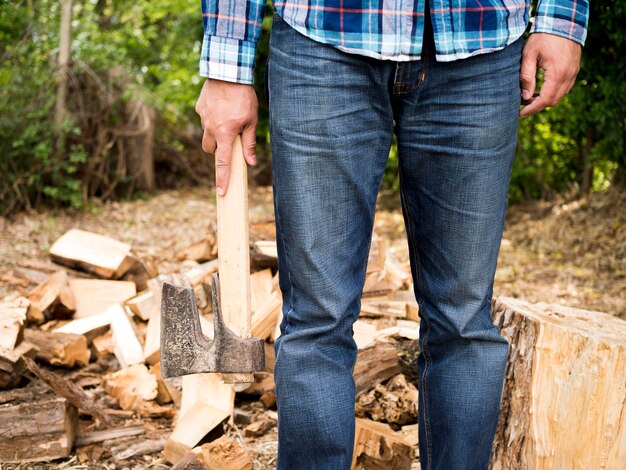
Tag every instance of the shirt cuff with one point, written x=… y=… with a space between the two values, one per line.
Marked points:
x=227 y=59
x=567 y=19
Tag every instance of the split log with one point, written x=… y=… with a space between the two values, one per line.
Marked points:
x=134 y=448
x=66 y=389
x=90 y=327
x=94 y=253
x=383 y=307
x=128 y=350
x=52 y=300
x=93 y=437
x=142 y=305
x=103 y=345
x=412 y=308
x=398 y=274
x=163 y=393
x=264 y=254
x=207 y=388
x=263 y=383
x=59 y=349
x=258 y=428
x=39 y=429
x=132 y=387
x=225 y=454
x=564 y=399
x=12 y=364
x=191 y=428
x=203 y=250
x=394 y=402
x=378 y=447
x=94 y=296
x=377 y=254
x=265 y=319
x=374 y=365
x=12 y=316
x=260 y=289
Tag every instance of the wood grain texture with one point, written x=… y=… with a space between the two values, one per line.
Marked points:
x=564 y=398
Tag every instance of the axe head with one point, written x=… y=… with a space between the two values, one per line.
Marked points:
x=184 y=350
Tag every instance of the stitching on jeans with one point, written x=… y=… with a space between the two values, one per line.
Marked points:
x=420 y=303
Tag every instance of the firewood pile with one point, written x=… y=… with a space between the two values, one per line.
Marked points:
x=80 y=374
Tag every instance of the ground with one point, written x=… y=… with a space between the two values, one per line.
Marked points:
x=573 y=253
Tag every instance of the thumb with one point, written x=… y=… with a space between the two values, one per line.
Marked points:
x=223 y=158
x=528 y=73
x=248 y=142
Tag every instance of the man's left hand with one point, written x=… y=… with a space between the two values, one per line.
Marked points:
x=560 y=60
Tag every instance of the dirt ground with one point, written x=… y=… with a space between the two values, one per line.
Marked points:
x=572 y=253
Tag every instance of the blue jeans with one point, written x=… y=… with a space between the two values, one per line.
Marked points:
x=332 y=118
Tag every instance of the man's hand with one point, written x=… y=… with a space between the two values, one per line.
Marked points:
x=226 y=110
x=560 y=60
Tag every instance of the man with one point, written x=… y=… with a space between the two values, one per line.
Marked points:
x=343 y=77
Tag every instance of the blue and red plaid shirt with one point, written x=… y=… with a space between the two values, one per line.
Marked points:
x=384 y=29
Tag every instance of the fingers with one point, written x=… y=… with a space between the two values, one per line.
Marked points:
x=223 y=157
x=208 y=142
x=528 y=73
x=248 y=141
x=548 y=96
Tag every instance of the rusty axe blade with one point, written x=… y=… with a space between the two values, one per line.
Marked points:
x=184 y=350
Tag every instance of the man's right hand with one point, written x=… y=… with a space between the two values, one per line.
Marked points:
x=226 y=110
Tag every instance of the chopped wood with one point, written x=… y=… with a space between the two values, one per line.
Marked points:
x=175 y=389
x=374 y=365
x=191 y=428
x=163 y=394
x=66 y=389
x=103 y=344
x=391 y=308
x=377 y=447
x=258 y=427
x=565 y=367
x=364 y=333
x=408 y=296
x=190 y=461
x=207 y=388
x=12 y=364
x=12 y=316
x=37 y=431
x=94 y=296
x=269 y=399
x=376 y=284
x=94 y=253
x=142 y=305
x=52 y=299
x=398 y=274
x=135 y=448
x=264 y=254
x=128 y=350
x=377 y=254
x=32 y=276
x=89 y=327
x=264 y=320
x=263 y=383
x=394 y=402
x=133 y=387
x=202 y=250
x=92 y=437
x=59 y=349
x=260 y=288
x=270 y=356
x=226 y=454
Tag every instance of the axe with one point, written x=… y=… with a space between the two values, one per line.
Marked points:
x=232 y=352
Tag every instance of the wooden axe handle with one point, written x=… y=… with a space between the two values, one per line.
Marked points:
x=233 y=247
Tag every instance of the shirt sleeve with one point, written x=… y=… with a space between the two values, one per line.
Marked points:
x=231 y=31
x=565 y=18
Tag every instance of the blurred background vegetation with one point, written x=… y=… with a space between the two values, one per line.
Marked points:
x=127 y=124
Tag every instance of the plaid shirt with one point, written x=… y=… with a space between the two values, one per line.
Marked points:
x=384 y=29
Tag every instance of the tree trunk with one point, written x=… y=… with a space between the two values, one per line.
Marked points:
x=65 y=41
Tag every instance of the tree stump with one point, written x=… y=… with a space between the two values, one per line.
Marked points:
x=564 y=397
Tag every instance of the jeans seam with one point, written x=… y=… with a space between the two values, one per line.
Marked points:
x=420 y=302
